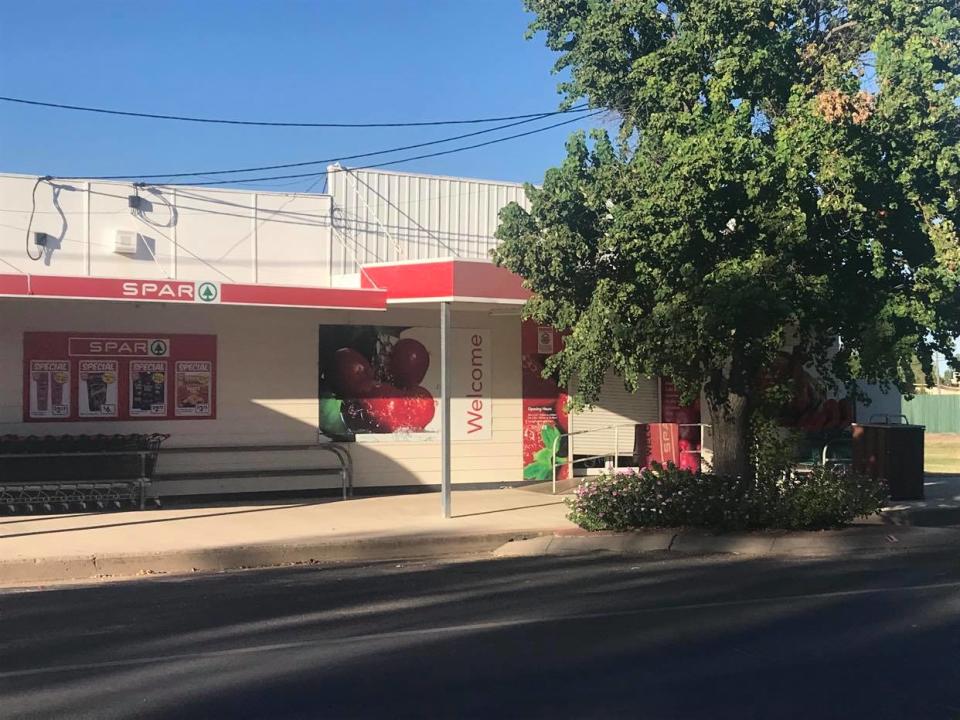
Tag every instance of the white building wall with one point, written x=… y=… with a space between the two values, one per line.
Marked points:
x=186 y=233
x=384 y=216
x=267 y=379
x=881 y=406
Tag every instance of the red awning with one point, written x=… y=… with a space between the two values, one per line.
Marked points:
x=447 y=280
x=451 y=279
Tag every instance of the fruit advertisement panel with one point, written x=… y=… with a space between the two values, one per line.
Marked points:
x=380 y=381
x=687 y=418
x=810 y=408
x=545 y=419
x=71 y=376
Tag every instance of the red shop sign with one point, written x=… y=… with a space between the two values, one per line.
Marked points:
x=131 y=376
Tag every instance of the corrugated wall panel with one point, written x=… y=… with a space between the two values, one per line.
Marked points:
x=939 y=413
x=615 y=407
x=386 y=216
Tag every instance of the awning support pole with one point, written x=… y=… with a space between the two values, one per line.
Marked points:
x=445 y=407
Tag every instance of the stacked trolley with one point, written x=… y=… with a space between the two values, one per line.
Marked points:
x=70 y=473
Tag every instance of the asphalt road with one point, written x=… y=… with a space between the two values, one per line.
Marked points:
x=587 y=637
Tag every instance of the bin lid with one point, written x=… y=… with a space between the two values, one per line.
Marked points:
x=892 y=426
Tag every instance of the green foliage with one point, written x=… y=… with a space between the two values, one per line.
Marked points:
x=670 y=497
x=771 y=447
x=785 y=172
x=541 y=468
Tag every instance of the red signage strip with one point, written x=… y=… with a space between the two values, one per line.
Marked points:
x=486 y=280
x=353 y=298
x=428 y=279
x=14 y=285
x=189 y=291
x=466 y=280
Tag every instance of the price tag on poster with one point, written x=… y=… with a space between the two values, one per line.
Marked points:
x=49 y=388
x=148 y=388
x=193 y=383
x=98 y=390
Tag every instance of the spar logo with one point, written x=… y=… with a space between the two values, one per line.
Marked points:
x=208 y=292
x=118 y=346
x=204 y=291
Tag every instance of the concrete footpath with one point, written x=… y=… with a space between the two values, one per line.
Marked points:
x=501 y=523
x=45 y=548
x=940 y=505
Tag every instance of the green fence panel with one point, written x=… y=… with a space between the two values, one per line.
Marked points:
x=939 y=413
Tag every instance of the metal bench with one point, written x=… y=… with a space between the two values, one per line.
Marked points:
x=344 y=471
x=76 y=472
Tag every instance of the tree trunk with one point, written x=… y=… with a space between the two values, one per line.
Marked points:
x=730 y=429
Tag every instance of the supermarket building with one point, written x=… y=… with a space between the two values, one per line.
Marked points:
x=230 y=317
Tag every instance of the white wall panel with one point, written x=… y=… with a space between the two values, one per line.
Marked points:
x=386 y=216
x=186 y=233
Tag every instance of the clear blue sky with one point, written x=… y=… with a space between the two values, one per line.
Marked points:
x=285 y=60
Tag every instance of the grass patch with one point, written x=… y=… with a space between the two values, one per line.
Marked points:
x=942 y=452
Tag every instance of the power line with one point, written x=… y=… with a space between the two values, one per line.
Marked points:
x=323 y=161
x=395 y=162
x=263 y=123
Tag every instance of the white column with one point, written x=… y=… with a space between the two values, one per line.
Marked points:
x=445 y=408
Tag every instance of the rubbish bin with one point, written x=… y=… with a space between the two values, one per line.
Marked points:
x=892 y=451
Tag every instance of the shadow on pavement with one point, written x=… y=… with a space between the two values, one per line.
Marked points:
x=589 y=636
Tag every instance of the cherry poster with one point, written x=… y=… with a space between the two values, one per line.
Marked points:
x=384 y=382
x=545 y=419
x=71 y=376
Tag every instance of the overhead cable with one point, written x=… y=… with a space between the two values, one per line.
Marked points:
x=323 y=161
x=234 y=181
x=264 y=123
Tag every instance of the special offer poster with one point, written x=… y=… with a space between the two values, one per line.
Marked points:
x=148 y=388
x=385 y=381
x=99 y=388
x=49 y=389
x=545 y=418
x=194 y=388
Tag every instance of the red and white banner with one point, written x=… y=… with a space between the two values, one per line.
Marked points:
x=545 y=419
x=201 y=292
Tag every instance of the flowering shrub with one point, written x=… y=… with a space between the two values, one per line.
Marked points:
x=660 y=496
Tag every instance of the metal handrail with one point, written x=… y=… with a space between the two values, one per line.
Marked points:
x=342 y=454
x=570 y=461
x=616 y=444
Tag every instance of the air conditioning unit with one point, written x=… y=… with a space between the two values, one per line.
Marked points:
x=126 y=242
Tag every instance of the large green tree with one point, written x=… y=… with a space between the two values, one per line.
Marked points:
x=784 y=173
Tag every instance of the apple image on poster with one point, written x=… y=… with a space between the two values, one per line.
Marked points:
x=374 y=382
